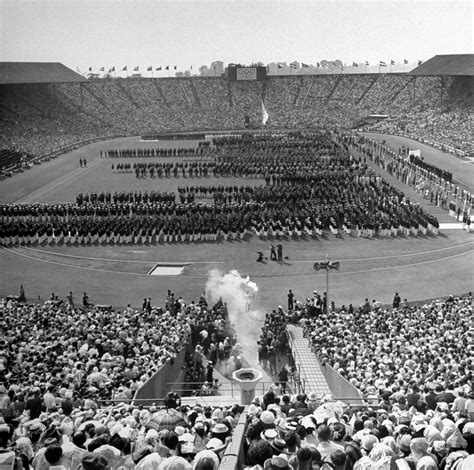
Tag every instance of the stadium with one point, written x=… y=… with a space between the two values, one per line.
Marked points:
x=264 y=267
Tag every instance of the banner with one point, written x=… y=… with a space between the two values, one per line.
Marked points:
x=247 y=73
x=265 y=115
x=414 y=152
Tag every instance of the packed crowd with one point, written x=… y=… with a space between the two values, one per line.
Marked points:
x=379 y=348
x=74 y=406
x=400 y=432
x=410 y=345
x=312 y=184
x=413 y=365
x=41 y=118
x=449 y=131
x=90 y=352
x=73 y=435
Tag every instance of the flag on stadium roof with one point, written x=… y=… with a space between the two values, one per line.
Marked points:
x=318 y=64
x=420 y=62
x=392 y=62
x=112 y=69
x=158 y=68
x=305 y=66
x=90 y=69
x=150 y=69
x=405 y=61
x=102 y=69
x=279 y=65
x=125 y=68
x=294 y=65
x=265 y=115
x=355 y=64
x=135 y=69
x=382 y=64
x=175 y=67
x=167 y=67
x=367 y=63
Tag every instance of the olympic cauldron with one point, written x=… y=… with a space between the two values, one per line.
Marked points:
x=247 y=379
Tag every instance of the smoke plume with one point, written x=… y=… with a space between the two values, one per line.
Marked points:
x=239 y=294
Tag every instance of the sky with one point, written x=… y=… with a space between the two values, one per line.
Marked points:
x=153 y=32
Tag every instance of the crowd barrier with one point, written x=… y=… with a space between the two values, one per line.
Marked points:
x=442 y=147
x=67 y=148
x=157 y=385
x=55 y=153
x=234 y=458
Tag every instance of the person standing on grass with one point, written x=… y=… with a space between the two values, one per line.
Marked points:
x=273 y=255
x=396 y=300
x=290 y=300
x=70 y=299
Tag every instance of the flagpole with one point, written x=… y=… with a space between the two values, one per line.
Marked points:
x=327 y=284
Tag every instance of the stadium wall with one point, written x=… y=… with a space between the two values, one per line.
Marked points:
x=233 y=457
x=156 y=388
x=340 y=387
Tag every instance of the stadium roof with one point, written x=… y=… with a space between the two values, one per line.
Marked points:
x=36 y=72
x=452 y=64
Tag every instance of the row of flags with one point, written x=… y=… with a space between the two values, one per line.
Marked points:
x=333 y=64
x=293 y=65
x=137 y=68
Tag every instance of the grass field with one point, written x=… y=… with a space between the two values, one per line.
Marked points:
x=416 y=267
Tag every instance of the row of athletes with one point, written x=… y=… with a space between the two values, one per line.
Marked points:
x=341 y=191
x=153 y=152
x=206 y=226
x=166 y=170
x=124 y=197
x=337 y=188
x=230 y=166
x=309 y=142
x=341 y=194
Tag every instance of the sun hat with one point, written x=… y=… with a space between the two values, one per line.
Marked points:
x=279 y=445
x=268 y=434
x=277 y=461
x=220 y=428
x=216 y=445
x=267 y=417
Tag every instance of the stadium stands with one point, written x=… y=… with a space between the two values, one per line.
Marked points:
x=39 y=118
x=417 y=383
x=68 y=373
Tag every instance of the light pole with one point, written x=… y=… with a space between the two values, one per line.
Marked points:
x=327 y=266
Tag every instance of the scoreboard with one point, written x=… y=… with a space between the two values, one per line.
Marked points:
x=246 y=73
x=239 y=73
